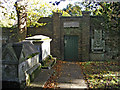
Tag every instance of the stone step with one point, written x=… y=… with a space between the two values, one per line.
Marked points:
x=49 y=64
x=41 y=79
x=43 y=76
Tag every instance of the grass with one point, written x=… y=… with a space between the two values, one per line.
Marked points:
x=102 y=74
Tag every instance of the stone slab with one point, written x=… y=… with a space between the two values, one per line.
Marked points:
x=40 y=80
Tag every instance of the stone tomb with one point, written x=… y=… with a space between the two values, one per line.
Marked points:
x=19 y=61
x=42 y=44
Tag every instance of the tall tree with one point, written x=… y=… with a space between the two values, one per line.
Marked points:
x=109 y=10
x=35 y=10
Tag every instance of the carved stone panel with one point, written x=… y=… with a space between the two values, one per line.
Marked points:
x=71 y=24
x=97 y=42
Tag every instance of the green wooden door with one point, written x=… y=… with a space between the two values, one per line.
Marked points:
x=71 y=48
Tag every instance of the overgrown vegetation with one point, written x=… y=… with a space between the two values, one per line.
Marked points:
x=102 y=74
x=98 y=74
x=48 y=62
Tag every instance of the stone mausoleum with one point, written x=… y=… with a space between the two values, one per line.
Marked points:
x=79 y=38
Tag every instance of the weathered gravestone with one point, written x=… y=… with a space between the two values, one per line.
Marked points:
x=19 y=61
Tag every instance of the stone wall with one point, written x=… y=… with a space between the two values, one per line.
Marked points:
x=84 y=27
x=112 y=45
x=9 y=35
x=85 y=36
x=97 y=51
x=110 y=37
x=46 y=30
x=56 y=35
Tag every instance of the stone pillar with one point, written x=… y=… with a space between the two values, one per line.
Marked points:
x=22 y=20
x=85 y=36
x=56 y=35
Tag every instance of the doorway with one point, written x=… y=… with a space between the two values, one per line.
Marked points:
x=70 y=47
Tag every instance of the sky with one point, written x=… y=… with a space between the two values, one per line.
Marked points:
x=63 y=3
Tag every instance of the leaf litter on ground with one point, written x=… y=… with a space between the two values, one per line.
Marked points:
x=102 y=74
x=98 y=74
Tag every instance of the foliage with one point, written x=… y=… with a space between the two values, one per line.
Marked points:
x=35 y=10
x=109 y=10
x=8 y=15
x=63 y=13
x=102 y=74
x=38 y=8
x=73 y=10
